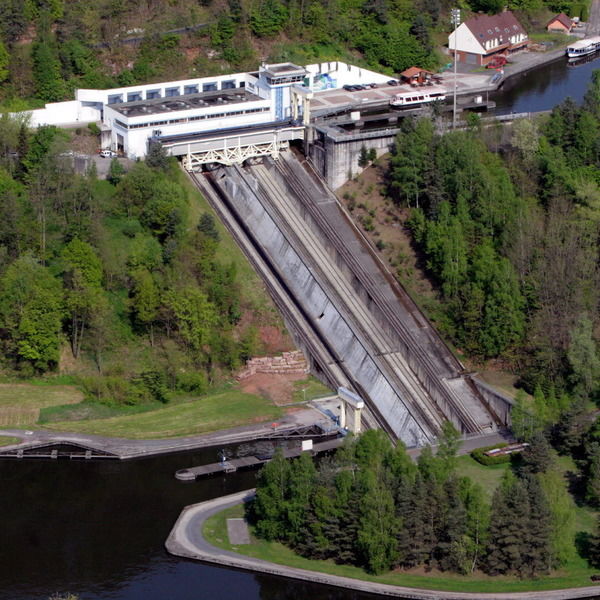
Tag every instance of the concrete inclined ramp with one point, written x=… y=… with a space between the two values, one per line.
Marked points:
x=186 y=541
x=379 y=340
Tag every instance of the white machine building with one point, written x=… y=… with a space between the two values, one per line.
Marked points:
x=134 y=115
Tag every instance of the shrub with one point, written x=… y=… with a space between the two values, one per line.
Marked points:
x=480 y=457
x=94 y=129
x=193 y=383
x=111 y=390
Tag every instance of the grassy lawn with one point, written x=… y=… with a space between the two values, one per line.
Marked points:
x=575 y=574
x=309 y=389
x=20 y=403
x=487 y=477
x=219 y=410
x=7 y=440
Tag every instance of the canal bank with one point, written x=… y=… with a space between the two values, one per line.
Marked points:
x=187 y=541
x=37 y=442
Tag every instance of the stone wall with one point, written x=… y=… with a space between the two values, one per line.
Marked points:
x=289 y=363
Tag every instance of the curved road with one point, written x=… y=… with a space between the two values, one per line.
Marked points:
x=186 y=540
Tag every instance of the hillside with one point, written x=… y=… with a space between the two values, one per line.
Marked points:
x=50 y=47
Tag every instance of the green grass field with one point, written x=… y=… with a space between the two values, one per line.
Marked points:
x=20 y=403
x=309 y=389
x=7 y=440
x=575 y=574
x=220 y=410
x=488 y=477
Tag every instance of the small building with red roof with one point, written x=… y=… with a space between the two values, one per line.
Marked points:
x=560 y=23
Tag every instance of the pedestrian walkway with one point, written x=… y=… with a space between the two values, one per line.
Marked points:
x=186 y=540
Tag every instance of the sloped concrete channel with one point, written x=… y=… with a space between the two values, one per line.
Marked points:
x=357 y=325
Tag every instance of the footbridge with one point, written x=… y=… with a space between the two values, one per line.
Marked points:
x=357 y=325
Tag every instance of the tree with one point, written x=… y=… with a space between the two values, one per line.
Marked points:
x=49 y=84
x=82 y=273
x=4 y=60
x=31 y=311
x=537 y=458
x=269 y=506
x=509 y=522
x=448 y=446
x=363 y=157
x=268 y=17
x=378 y=526
x=301 y=485
x=157 y=157
x=115 y=172
x=145 y=300
x=562 y=509
x=583 y=356
x=537 y=553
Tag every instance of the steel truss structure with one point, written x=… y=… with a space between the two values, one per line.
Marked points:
x=193 y=161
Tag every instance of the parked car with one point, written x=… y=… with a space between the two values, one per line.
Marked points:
x=392 y=82
x=358 y=88
x=107 y=154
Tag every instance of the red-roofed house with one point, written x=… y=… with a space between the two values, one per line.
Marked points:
x=482 y=37
x=560 y=23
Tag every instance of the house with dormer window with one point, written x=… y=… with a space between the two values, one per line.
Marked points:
x=483 y=37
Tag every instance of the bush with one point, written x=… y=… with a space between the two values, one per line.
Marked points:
x=112 y=390
x=94 y=129
x=155 y=383
x=192 y=383
x=480 y=457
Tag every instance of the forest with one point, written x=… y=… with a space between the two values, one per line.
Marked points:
x=50 y=47
x=119 y=279
x=373 y=507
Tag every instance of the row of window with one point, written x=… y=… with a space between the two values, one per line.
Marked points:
x=288 y=79
x=171 y=92
x=235 y=113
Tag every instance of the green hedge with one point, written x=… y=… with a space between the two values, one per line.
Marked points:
x=480 y=457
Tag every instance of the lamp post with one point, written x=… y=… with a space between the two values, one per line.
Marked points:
x=455 y=19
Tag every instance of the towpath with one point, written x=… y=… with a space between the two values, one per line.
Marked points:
x=126 y=448
x=186 y=540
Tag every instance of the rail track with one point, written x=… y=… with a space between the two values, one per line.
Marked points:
x=429 y=356
x=426 y=379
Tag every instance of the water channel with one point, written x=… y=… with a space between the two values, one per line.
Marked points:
x=98 y=528
x=545 y=87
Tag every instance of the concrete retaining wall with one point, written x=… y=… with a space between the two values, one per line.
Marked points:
x=500 y=403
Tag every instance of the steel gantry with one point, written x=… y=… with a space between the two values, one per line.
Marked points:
x=232 y=147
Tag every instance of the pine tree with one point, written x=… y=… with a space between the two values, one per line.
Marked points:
x=537 y=458
x=508 y=528
x=451 y=551
x=537 y=552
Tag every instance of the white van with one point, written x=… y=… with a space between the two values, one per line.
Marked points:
x=107 y=154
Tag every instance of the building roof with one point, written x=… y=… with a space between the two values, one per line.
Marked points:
x=561 y=18
x=414 y=72
x=499 y=27
x=187 y=102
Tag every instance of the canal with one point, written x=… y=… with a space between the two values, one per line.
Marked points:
x=545 y=87
x=97 y=529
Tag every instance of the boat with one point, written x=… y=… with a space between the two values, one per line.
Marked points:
x=583 y=47
x=418 y=96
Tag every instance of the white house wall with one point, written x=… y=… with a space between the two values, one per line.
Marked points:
x=63 y=113
x=464 y=41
